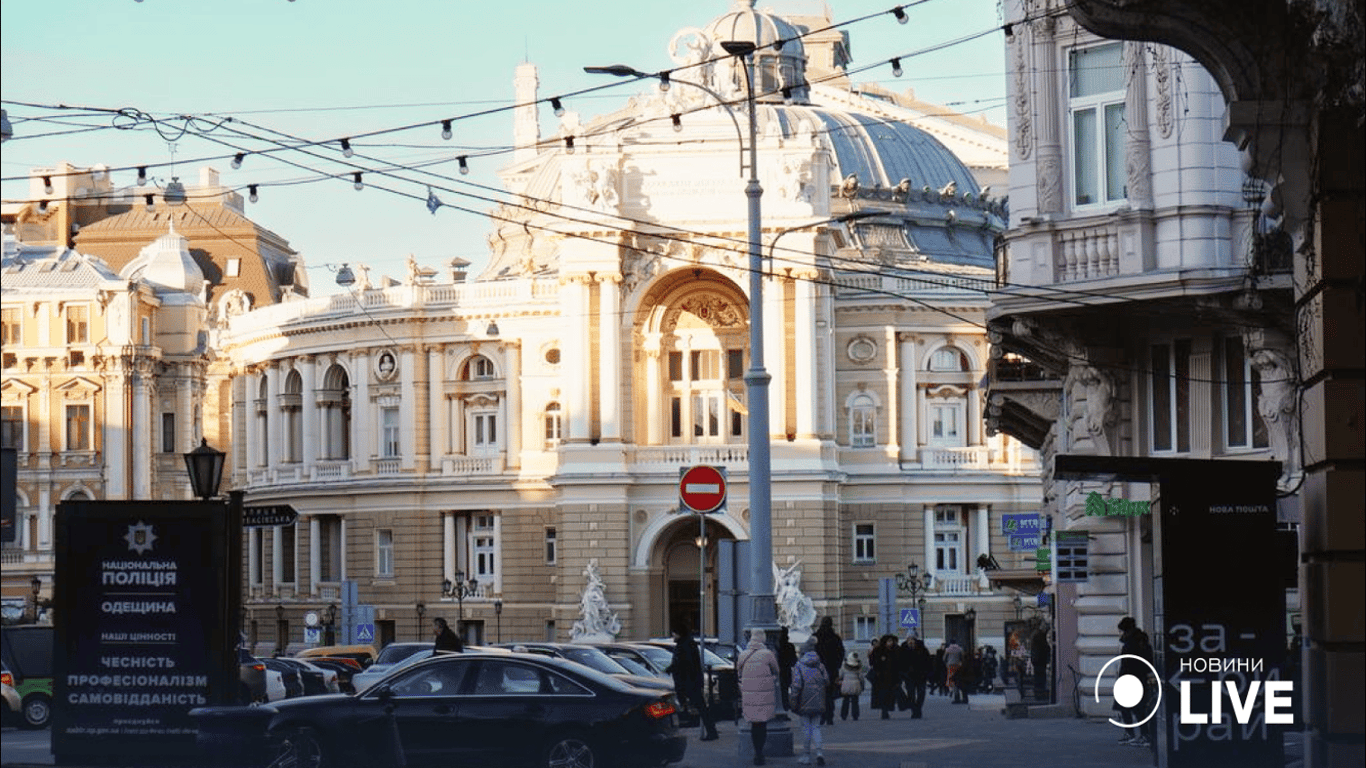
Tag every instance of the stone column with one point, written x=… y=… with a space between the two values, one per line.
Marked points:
x=981 y=537
x=184 y=403
x=609 y=359
x=974 y=435
x=277 y=554
x=578 y=402
x=308 y=396
x=654 y=398
x=908 y=408
x=362 y=412
x=315 y=561
x=892 y=374
x=513 y=402
x=275 y=419
x=438 y=420
x=1047 y=65
x=253 y=556
x=142 y=435
x=805 y=365
x=929 y=537
x=407 y=408
x=116 y=433
x=1137 y=147
x=776 y=361
x=448 y=546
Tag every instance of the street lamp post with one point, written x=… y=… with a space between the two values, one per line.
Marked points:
x=36 y=584
x=498 y=614
x=916 y=582
x=421 y=609
x=459 y=589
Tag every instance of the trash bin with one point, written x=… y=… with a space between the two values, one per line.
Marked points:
x=229 y=737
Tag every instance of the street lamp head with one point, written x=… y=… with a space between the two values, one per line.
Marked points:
x=616 y=70
x=498 y=607
x=738 y=47
x=36 y=583
x=205 y=468
x=446 y=586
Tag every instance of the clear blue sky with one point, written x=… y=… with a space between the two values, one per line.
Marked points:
x=318 y=69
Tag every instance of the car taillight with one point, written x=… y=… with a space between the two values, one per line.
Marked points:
x=259 y=667
x=659 y=710
x=7 y=678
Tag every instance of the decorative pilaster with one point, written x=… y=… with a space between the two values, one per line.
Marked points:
x=1050 y=164
x=407 y=408
x=1137 y=152
x=438 y=419
x=805 y=364
x=308 y=380
x=609 y=361
x=512 y=352
x=362 y=412
x=906 y=394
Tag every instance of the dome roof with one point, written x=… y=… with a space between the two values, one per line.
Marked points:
x=167 y=264
x=743 y=22
x=775 y=68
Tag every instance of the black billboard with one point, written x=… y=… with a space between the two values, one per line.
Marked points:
x=147 y=596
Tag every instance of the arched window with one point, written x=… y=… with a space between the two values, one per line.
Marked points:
x=862 y=421
x=335 y=400
x=291 y=409
x=479 y=368
x=948 y=359
x=554 y=425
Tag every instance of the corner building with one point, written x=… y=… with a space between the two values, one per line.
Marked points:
x=513 y=427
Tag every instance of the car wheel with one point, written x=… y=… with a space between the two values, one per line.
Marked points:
x=299 y=748
x=570 y=751
x=37 y=711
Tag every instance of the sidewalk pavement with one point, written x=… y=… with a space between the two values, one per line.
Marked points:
x=949 y=736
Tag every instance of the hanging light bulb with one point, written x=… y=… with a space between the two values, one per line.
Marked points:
x=446 y=129
x=464 y=165
x=356 y=182
x=42 y=207
x=142 y=175
x=900 y=13
x=151 y=206
x=557 y=107
x=787 y=94
x=346 y=148
x=663 y=81
x=896 y=67
x=569 y=145
x=778 y=44
x=174 y=193
x=47 y=185
x=251 y=193
x=237 y=160
x=678 y=122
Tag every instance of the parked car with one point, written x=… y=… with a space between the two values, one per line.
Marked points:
x=14 y=706
x=381 y=668
x=257 y=682
x=593 y=657
x=631 y=658
x=487 y=709
x=315 y=679
x=294 y=684
x=346 y=669
x=26 y=651
x=363 y=654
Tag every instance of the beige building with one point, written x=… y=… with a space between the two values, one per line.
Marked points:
x=513 y=428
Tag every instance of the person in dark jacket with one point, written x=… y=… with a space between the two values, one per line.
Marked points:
x=787 y=659
x=446 y=640
x=886 y=675
x=830 y=648
x=1134 y=641
x=917 y=674
x=1040 y=655
x=939 y=673
x=686 y=668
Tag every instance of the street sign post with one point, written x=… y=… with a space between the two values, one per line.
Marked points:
x=702 y=489
x=267 y=516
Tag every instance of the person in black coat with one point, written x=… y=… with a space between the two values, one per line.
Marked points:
x=686 y=668
x=830 y=647
x=446 y=640
x=1040 y=655
x=886 y=674
x=787 y=659
x=919 y=666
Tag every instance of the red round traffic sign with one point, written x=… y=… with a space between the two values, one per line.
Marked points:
x=702 y=488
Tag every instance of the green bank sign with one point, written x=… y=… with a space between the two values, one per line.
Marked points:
x=1099 y=507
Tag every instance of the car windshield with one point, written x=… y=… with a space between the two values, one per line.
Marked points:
x=712 y=660
x=596 y=659
x=660 y=657
x=632 y=664
x=395 y=653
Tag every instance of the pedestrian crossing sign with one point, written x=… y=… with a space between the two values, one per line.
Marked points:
x=910 y=618
x=365 y=633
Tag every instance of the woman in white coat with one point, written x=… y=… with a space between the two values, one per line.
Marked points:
x=757 y=673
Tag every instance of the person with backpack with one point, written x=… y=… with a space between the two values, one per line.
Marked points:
x=810 y=682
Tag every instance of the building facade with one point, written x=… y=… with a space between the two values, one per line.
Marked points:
x=503 y=432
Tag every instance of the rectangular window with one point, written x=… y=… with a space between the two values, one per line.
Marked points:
x=168 y=433
x=946 y=423
x=550 y=540
x=389 y=446
x=384 y=552
x=257 y=557
x=675 y=366
x=1243 y=425
x=12 y=427
x=1170 y=396
x=484 y=549
x=287 y=536
x=706 y=414
x=1096 y=90
x=234 y=268
x=676 y=416
x=146 y=331
x=78 y=427
x=865 y=628
x=329 y=548
x=863 y=424
x=11 y=329
x=864 y=551
x=706 y=365
x=735 y=364
x=485 y=430
x=948 y=539
x=77 y=324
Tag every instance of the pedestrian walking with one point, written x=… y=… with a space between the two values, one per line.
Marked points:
x=851 y=685
x=1134 y=642
x=787 y=659
x=830 y=648
x=756 y=672
x=939 y=673
x=1040 y=655
x=953 y=662
x=809 y=685
x=446 y=640
x=885 y=675
x=920 y=664
x=686 y=668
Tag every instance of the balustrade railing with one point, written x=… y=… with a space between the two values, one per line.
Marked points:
x=1087 y=253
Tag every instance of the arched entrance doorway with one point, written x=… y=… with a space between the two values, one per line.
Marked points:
x=689 y=590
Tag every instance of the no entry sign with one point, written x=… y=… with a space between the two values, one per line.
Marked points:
x=702 y=488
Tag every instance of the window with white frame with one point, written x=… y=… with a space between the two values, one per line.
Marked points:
x=706 y=392
x=1243 y=425
x=384 y=552
x=865 y=628
x=78 y=427
x=862 y=421
x=483 y=430
x=949 y=536
x=12 y=427
x=551 y=544
x=864 y=542
x=554 y=425
x=479 y=368
x=946 y=422
x=389 y=432
x=1096 y=85
x=948 y=359
x=478 y=548
x=1169 y=396
x=11 y=326
x=77 y=324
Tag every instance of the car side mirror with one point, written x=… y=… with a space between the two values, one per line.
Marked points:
x=385 y=694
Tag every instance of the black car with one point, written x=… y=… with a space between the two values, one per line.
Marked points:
x=293 y=678
x=592 y=656
x=505 y=709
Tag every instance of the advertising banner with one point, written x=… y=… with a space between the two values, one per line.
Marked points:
x=147 y=596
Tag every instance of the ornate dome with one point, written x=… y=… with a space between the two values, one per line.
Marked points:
x=774 y=68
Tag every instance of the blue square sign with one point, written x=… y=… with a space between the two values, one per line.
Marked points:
x=910 y=618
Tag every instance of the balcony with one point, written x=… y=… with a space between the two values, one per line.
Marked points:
x=956 y=586
x=976 y=457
